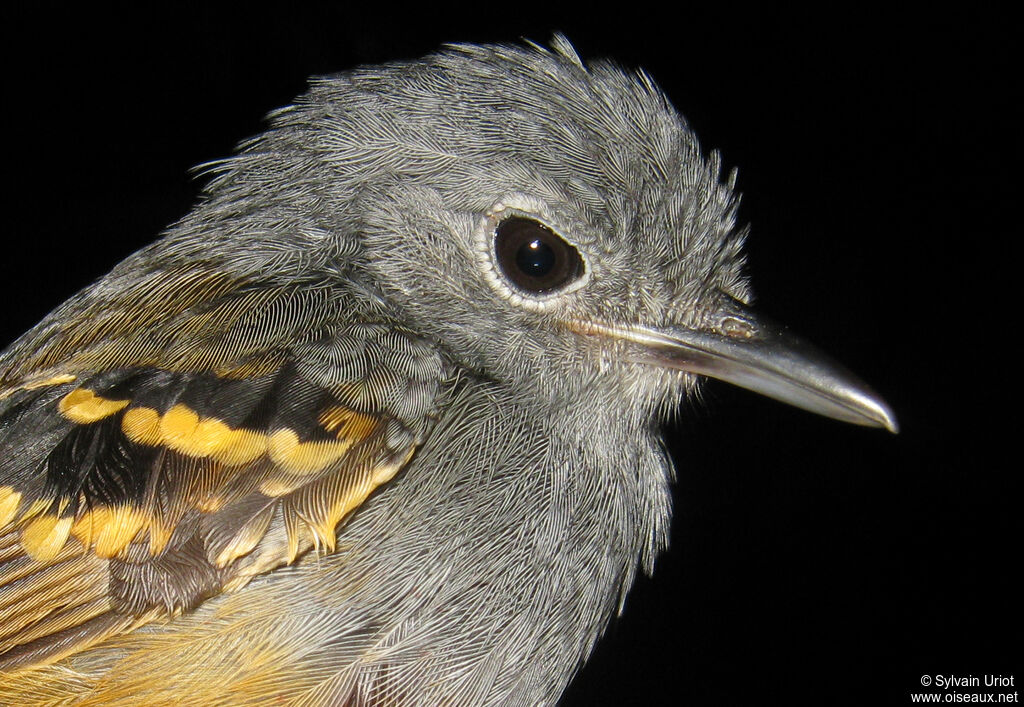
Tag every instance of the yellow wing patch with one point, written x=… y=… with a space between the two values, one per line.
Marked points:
x=83 y=406
x=108 y=530
x=37 y=383
x=45 y=535
x=347 y=423
x=183 y=430
x=222 y=453
x=297 y=457
x=142 y=425
x=10 y=500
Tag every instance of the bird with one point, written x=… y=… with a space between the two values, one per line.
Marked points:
x=378 y=420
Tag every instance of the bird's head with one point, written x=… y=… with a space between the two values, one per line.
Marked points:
x=553 y=226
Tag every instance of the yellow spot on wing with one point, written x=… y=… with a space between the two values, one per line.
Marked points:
x=347 y=423
x=142 y=425
x=84 y=407
x=297 y=457
x=182 y=429
x=35 y=384
x=125 y=524
x=177 y=426
x=9 y=502
x=53 y=380
x=110 y=528
x=89 y=524
x=347 y=499
x=159 y=536
x=233 y=447
x=45 y=536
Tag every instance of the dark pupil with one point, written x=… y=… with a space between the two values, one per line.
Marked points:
x=535 y=258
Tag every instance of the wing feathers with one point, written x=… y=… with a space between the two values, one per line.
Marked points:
x=138 y=492
x=67 y=641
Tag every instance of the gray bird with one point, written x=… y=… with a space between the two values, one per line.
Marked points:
x=376 y=423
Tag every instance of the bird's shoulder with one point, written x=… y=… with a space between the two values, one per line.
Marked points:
x=194 y=432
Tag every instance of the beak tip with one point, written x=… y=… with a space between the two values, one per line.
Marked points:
x=890 y=424
x=878 y=414
x=889 y=421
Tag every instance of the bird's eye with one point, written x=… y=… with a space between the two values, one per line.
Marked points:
x=534 y=257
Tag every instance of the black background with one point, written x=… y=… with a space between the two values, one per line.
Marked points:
x=812 y=562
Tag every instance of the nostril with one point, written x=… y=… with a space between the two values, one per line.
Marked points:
x=736 y=328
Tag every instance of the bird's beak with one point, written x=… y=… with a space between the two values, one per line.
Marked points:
x=741 y=348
